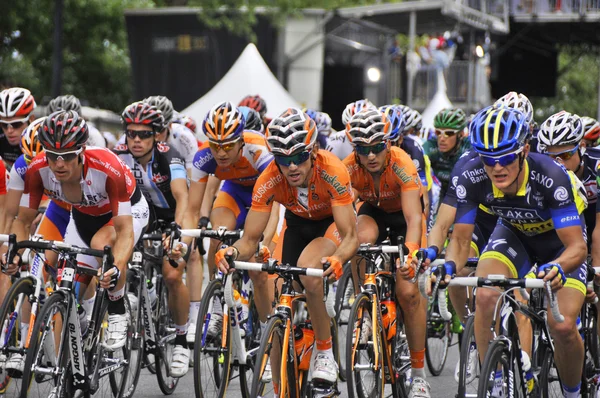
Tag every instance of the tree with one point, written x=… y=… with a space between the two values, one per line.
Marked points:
x=96 y=64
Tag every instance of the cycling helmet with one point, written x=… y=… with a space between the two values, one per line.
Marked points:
x=323 y=122
x=426 y=133
x=255 y=102
x=367 y=127
x=412 y=119
x=591 y=129
x=516 y=101
x=63 y=130
x=355 y=107
x=30 y=144
x=15 y=102
x=252 y=119
x=450 y=118
x=291 y=132
x=498 y=131
x=164 y=105
x=562 y=128
x=224 y=122
x=396 y=119
x=189 y=123
x=144 y=113
x=64 y=103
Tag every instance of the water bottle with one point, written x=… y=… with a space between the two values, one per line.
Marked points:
x=388 y=315
x=304 y=338
x=151 y=292
x=83 y=321
x=240 y=310
x=529 y=379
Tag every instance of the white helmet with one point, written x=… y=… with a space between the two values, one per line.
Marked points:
x=562 y=128
x=354 y=107
x=517 y=101
x=16 y=101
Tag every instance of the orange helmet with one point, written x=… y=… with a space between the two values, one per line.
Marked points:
x=30 y=145
x=291 y=132
x=224 y=122
x=591 y=129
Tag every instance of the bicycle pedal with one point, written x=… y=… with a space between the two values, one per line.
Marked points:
x=323 y=389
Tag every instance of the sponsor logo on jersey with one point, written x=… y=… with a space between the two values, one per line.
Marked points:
x=475 y=175
x=333 y=181
x=266 y=186
x=106 y=165
x=162 y=147
x=158 y=178
x=202 y=161
x=399 y=171
x=516 y=215
x=541 y=179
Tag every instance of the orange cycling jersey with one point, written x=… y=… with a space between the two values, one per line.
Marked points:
x=399 y=175
x=329 y=186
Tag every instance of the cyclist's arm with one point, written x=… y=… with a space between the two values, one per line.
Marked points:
x=443 y=222
x=256 y=222
x=411 y=208
x=179 y=190
x=212 y=187
x=345 y=221
x=123 y=247
x=596 y=243
x=271 y=225
x=192 y=211
x=460 y=244
x=575 y=248
x=425 y=196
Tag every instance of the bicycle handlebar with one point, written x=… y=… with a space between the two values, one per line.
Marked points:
x=212 y=233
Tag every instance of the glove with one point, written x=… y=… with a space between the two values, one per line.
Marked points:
x=203 y=223
x=449 y=268
x=222 y=253
x=114 y=276
x=264 y=254
x=413 y=248
x=430 y=253
x=336 y=265
x=546 y=268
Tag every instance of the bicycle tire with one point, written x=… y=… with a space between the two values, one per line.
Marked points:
x=137 y=345
x=162 y=355
x=592 y=360
x=468 y=339
x=343 y=307
x=45 y=322
x=210 y=345
x=437 y=329
x=273 y=332
x=119 y=381
x=550 y=385
x=246 y=371
x=401 y=362
x=497 y=354
x=24 y=286
x=361 y=306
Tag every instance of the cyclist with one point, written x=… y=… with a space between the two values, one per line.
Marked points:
x=72 y=103
x=258 y=104
x=338 y=143
x=252 y=119
x=237 y=157
x=536 y=201
x=591 y=132
x=449 y=145
x=314 y=186
x=386 y=179
x=159 y=172
x=16 y=112
x=323 y=123
x=107 y=208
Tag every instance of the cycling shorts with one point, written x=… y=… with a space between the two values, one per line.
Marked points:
x=237 y=198
x=394 y=221
x=82 y=228
x=298 y=232
x=520 y=252
x=484 y=226
x=53 y=224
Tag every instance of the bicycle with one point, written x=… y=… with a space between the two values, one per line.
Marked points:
x=69 y=361
x=377 y=345
x=280 y=336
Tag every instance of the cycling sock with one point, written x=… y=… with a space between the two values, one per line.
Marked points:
x=24 y=330
x=571 y=392
x=324 y=345
x=194 y=308
x=417 y=363
x=116 y=294
x=117 y=306
x=181 y=329
x=88 y=305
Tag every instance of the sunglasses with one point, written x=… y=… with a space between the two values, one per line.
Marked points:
x=64 y=156
x=564 y=155
x=143 y=134
x=297 y=159
x=215 y=146
x=15 y=124
x=503 y=160
x=366 y=150
x=446 y=133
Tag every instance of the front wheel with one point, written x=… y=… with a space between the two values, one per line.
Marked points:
x=438 y=339
x=497 y=372
x=468 y=371
x=344 y=298
x=165 y=336
x=549 y=380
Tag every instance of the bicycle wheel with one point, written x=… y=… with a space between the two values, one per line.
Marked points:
x=344 y=298
x=165 y=336
x=550 y=385
x=438 y=339
x=270 y=347
x=364 y=373
x=252 y=341
x=47 y=351
x=497 y=372
x=122 y=379
x=211 y=355
x=401 y=362
x=592 y=354
x=468 y=376
x=11 y=338
x=137 y=352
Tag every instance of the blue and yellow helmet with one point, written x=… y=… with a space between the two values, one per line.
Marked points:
x=498 y=131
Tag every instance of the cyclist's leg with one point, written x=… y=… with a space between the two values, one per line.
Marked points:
x=368 y=232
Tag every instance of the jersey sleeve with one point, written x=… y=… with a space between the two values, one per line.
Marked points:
x=188 y=147
x=201 y=168
x=405 y=171
x=265 y=190
x=176 y=165
x=338 y=183
x=118 y=188
x=466 y=200
x=33 y=188
x=3 y=178
x=564 y=203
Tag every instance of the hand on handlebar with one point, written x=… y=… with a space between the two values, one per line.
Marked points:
x=221 y=260
x=110 y=278
x=263 y=254
x=335 y=269
x=552 y=272
x=12 y=268
x=444 y=272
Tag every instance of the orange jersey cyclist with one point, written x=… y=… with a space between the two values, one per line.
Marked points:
x=314 y=187
x=386 y=179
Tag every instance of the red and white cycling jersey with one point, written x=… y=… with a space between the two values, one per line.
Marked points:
x=3 y=178
x=107 y=184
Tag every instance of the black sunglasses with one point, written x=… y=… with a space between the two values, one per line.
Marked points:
x=143 y=134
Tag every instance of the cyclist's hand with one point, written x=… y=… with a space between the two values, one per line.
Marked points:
x=263 y=255
x=12 y=268
x=552 y=272
x=336 y=268
x=203 y=223
x=429 y=254
x=110 y=278
x=445 y=272
x=590 y=296
x=408 y=271
x=221 y=261
x=179 y=251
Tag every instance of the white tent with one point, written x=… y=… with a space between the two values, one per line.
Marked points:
x=249 y=75
x=438 y=102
